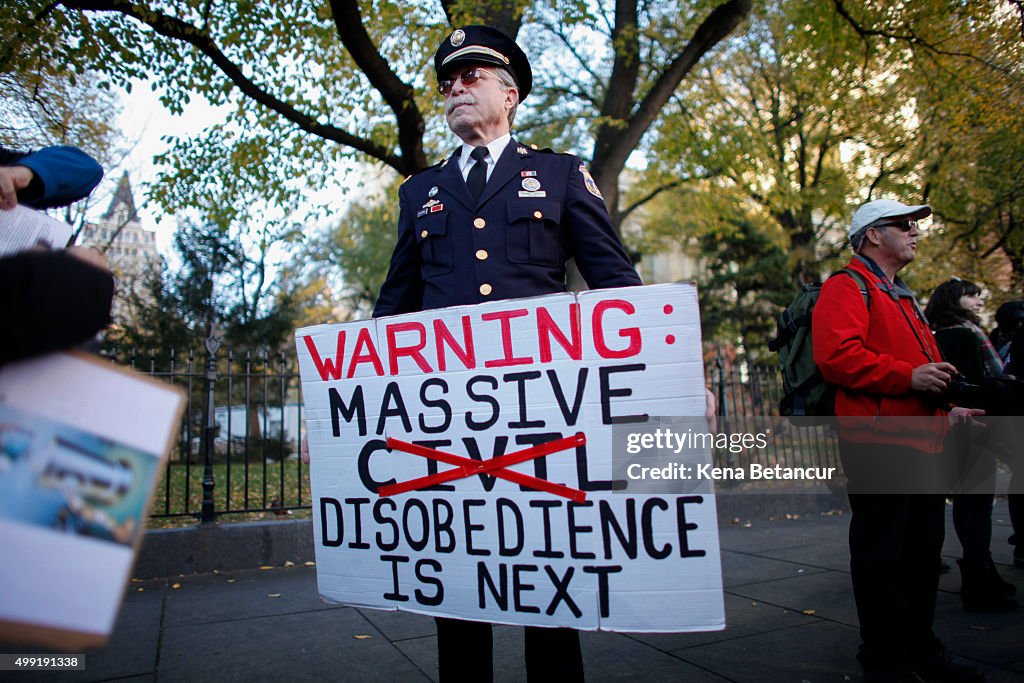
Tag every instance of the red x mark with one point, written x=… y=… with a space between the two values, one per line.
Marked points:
x=467 y=467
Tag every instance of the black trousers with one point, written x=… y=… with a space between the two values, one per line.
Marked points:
x=464 y=652
x=895 y=550
x=972 y=519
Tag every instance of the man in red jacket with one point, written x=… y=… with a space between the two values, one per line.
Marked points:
x=876 y=349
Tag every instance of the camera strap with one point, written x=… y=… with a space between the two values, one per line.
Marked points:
x=892 y=291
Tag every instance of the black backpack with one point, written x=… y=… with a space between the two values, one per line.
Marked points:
x=805 y=392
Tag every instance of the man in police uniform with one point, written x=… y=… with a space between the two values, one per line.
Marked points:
x=497 y=220
x=536 y=209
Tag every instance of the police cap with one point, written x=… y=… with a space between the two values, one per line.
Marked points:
x=484 y=45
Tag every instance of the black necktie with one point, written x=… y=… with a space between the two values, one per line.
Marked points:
x=477 y=177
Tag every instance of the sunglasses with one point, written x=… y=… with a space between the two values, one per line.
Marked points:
x=904 y=225
x=468 y=77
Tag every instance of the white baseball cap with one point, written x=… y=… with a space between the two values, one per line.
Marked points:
x=885 y=208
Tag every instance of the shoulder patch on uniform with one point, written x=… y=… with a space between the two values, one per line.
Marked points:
x=588 y=180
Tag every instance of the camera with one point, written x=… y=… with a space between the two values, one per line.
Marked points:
x=998 y=396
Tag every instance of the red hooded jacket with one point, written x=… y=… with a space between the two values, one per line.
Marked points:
x=868 y=353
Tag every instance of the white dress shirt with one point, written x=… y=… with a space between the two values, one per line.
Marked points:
x=494 y=150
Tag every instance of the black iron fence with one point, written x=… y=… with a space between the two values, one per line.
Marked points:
x=748 y=401
x=238 y=446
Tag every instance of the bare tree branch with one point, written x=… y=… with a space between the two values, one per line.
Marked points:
x=911 y=38
x=399 y=96
x=176 y=29
x=611 y=159
x=582 y=64
x=651 y=195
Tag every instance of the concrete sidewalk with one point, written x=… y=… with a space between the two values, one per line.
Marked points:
x=789 y=610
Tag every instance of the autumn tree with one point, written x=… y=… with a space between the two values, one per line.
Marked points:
x=788 y=128
x=314 y=83
x=42 y=105
x=810 y=109
x=351 y=256
x=972 y=144
x=222 y=281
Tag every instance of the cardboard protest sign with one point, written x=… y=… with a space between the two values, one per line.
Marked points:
x=81 y=445
x=462 y=462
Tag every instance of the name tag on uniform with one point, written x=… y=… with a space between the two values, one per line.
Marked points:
x=538 y=193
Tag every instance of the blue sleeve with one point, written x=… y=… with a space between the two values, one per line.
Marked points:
x=62 y=175
x=402 y=291
x=596 y=246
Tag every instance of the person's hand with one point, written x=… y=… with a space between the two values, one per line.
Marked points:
x=12 y=179
x=932 y=378
x=961 y=416
x=90 y=255
x=711 y=411
x=304 y=449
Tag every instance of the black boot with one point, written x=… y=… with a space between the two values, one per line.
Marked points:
x=983 y=590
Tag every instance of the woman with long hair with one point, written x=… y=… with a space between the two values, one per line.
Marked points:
x=954 y=313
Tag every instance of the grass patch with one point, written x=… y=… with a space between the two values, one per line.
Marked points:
x=269 y=484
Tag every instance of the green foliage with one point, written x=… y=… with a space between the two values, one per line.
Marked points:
x=353 y=256
x=806 y=113
x=744 y=277
x=767 y=122
x=807 y=110
x=218 y=283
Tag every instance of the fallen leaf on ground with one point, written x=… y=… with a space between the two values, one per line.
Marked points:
x=273 y=595
x=232 y=580
x=809 y=612
x=175 y=586
x=265 y=567
x=309 y=564
x=289 y=563
x=362 y=637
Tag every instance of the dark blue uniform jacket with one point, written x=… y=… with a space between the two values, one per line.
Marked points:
x=538 y=210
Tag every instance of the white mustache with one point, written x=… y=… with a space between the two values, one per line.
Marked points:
x=453 y=102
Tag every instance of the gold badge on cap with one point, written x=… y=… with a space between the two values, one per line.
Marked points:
x=458 y=37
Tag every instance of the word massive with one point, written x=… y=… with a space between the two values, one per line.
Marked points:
x=437 y=347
